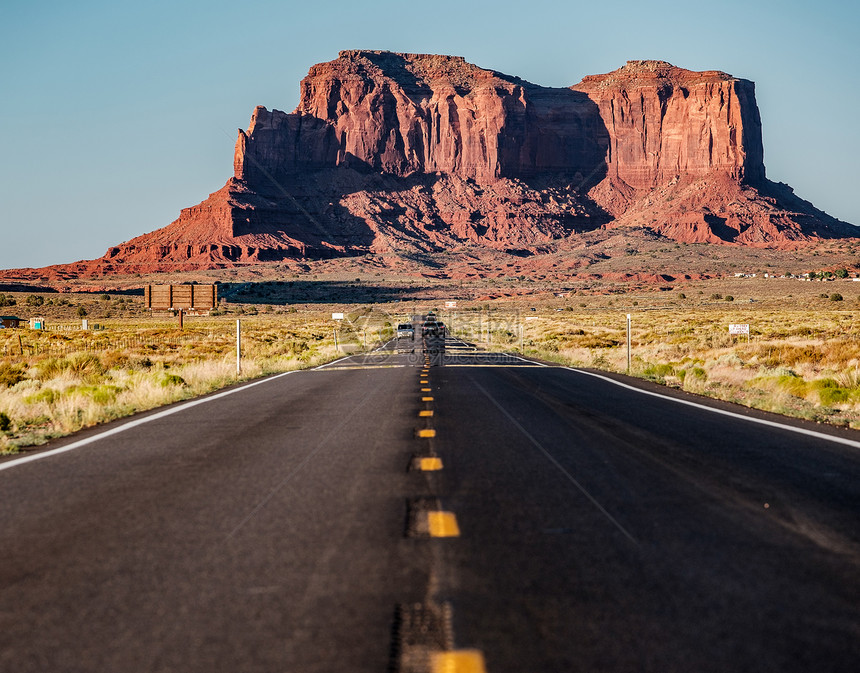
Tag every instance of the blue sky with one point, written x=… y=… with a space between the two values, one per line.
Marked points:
x=116 y=115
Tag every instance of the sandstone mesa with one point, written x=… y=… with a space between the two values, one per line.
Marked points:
x=413 y=152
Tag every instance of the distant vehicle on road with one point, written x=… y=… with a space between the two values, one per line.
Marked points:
x=433 y=328
x=405 y=331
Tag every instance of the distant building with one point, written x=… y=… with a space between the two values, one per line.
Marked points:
x=10 y=321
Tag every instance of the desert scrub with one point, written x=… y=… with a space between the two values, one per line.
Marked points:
x=66 y=381
x=83 y=366
x=172 y=380
x=100 y=394
x=825 y=392
x=11 y=374
x=602 y=340
x=656 y=372
x=803 y=363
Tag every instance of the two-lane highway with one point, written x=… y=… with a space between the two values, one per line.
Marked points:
x=392 y=509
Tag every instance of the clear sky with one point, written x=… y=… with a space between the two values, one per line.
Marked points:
x=114 y=115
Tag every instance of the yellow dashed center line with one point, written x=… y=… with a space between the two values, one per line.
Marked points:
x=443 y=524
x=458 y=661
x=431 y=464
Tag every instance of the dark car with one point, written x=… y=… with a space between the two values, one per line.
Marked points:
x=433 y=328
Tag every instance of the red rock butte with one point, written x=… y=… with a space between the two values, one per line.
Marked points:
x=417 y=152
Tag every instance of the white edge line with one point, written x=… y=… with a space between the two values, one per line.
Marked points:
x=531 y=362
x=140 y=421
x=329 y=364
x=752 y=419
x=383 y=346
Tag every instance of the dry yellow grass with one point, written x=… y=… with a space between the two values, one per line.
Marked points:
x=53 y=383
x=797 y=362
x=803 y=357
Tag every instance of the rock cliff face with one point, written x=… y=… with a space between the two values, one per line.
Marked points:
x=403 y=114
x=645 y=124
x=666 y=124
x=416 y=152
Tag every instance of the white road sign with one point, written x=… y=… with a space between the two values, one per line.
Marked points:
x=337 y=316
x=739 y=329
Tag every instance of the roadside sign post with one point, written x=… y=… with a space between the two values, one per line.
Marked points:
x=238 y=347
x=628 y=343
x=336 y=316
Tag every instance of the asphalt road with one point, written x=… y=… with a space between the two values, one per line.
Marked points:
x=502 y=516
